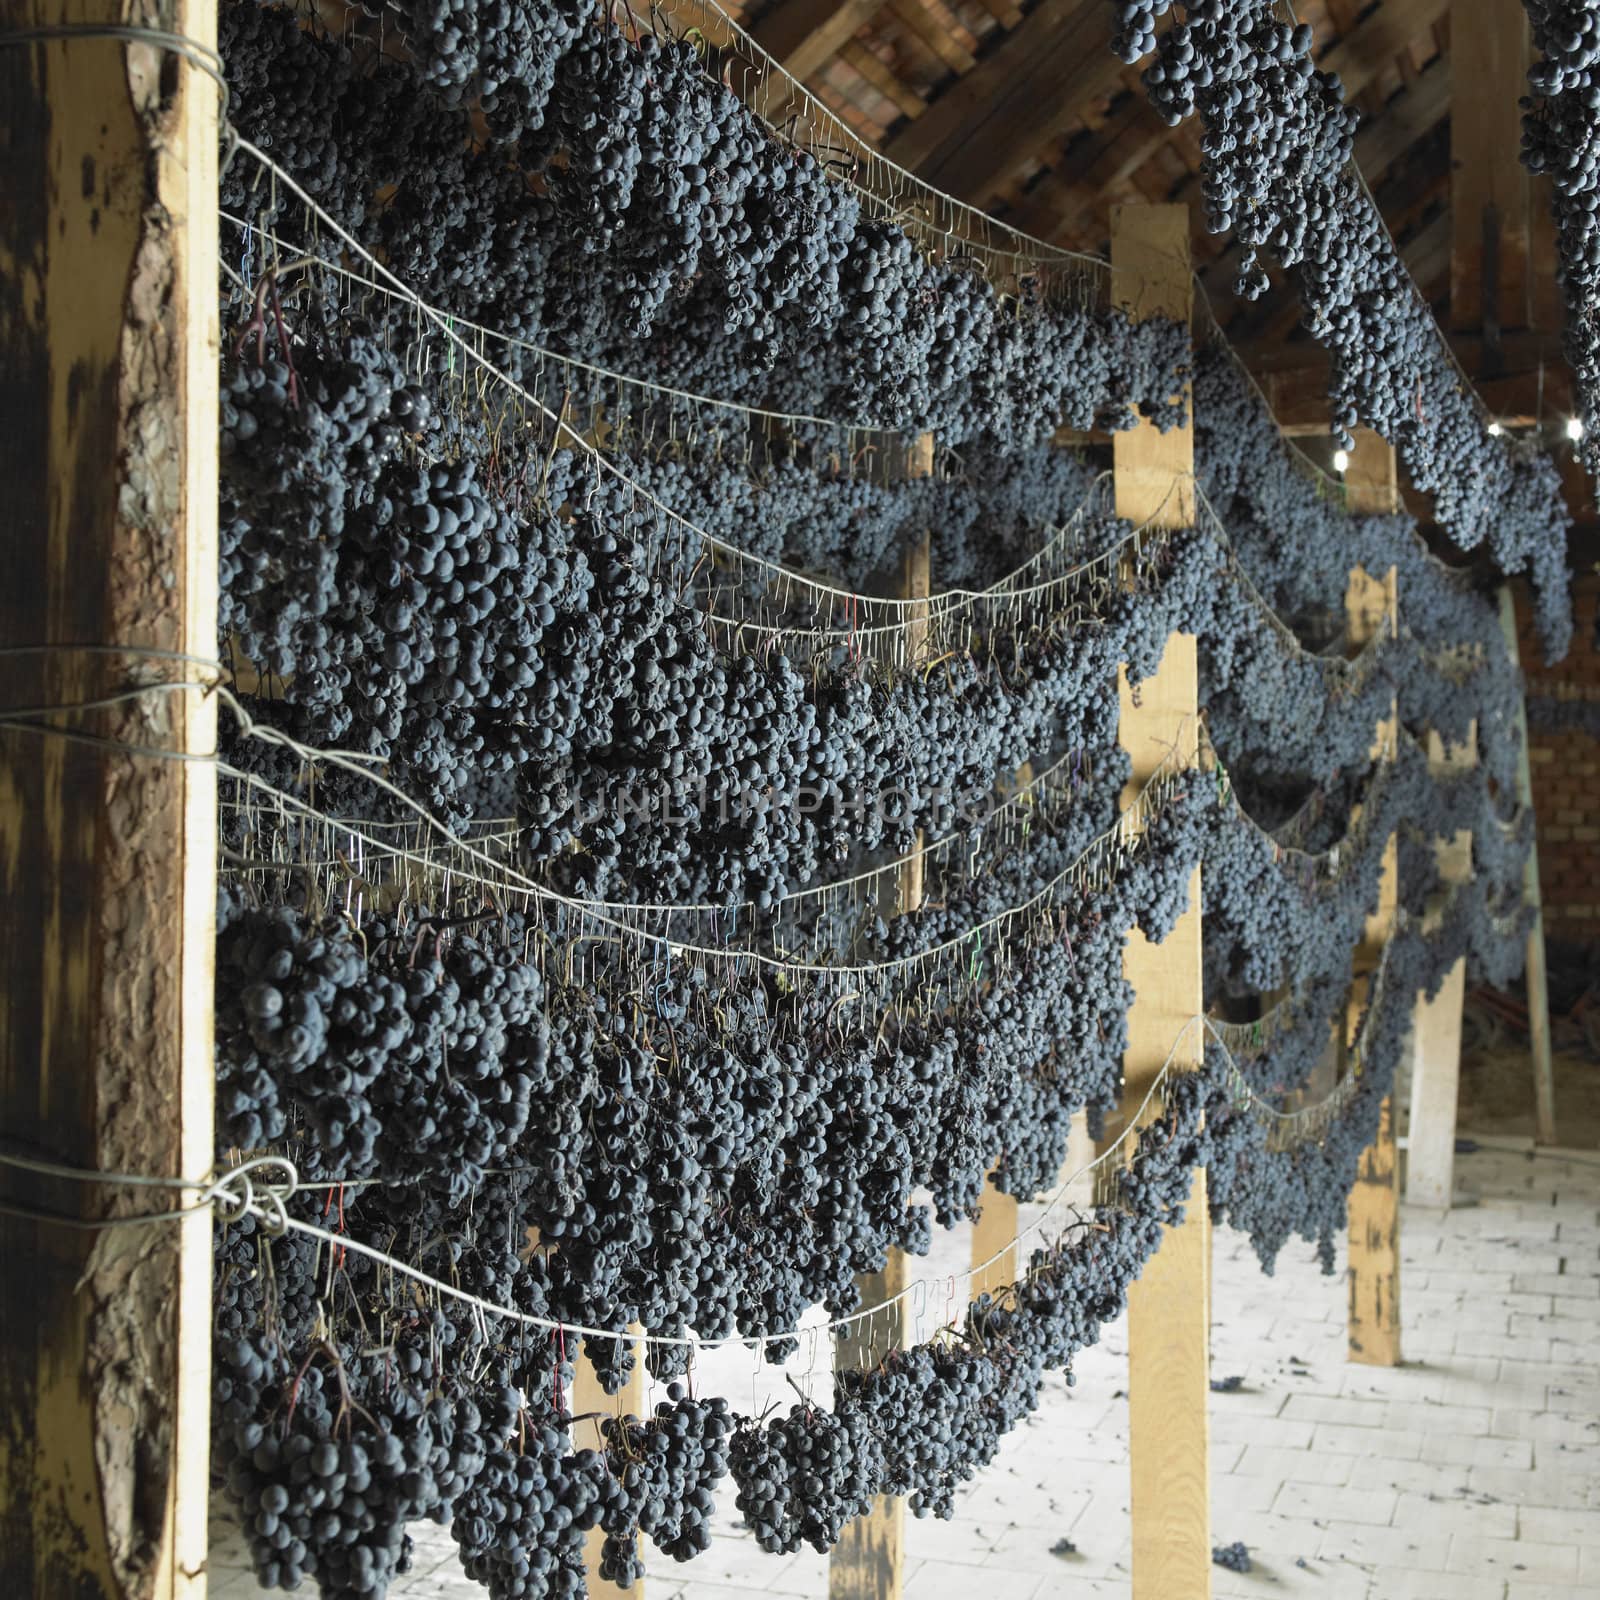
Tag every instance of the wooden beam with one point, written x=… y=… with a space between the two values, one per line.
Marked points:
x=1436 y=1025
x=1168 y=1391
x=591 y=1402
x=862 y=60
x=1489 y=288
x=868 y=1563
x=998 y=1223
x=1029 y=89
x=994 y=1234
x=933 y=33
x=1372 y=485
x=1435 y=1088
x=1007 y=14
x=108 y=454
x=1375 y=1250
x=1371 y=46
x=804 y=35
x=1536 y=978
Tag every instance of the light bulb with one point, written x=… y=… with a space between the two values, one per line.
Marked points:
x=1574 y=427
x=1495 y=430
x=1341 y=460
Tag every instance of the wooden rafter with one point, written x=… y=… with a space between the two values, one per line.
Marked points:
x=1029 y=90
x=922 y=23
x=804 y=35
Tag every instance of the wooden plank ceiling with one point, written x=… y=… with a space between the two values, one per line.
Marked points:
x=1019 y=107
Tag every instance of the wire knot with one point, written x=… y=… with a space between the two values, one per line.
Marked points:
x=237 y=1193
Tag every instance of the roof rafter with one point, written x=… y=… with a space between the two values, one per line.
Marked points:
x=1028 y=90
x=805 y=35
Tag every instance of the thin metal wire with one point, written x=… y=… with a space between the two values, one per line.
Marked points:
x=1158 y=790
x=1097 y=857
x=1038 y=792
x=235 y=1194
x=779 y=575
x=901 y=182
x=554 y=357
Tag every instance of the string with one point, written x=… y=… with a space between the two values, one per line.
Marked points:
x=1025 y=797
x=1457 y=577
x=235 y=1195
x=559 y=358
x=232 y=1192
x=137 y=651
x=1156 y=792
x=222 y=1190
x=1353 y=168
x=949 y=599
x=1377 y=783
x=778 y=575
x=772 y=70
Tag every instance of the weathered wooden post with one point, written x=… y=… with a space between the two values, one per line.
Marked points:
x=1371 y=485
x=868 y=1563
x=1168 y=1387
x=108 y=454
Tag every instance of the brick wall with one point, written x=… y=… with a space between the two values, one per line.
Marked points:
x=1566 y=777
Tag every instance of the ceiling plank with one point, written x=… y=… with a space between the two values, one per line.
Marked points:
x=804 y=35
x=1427 y=252
x=1072 y=190
x=1028 y=90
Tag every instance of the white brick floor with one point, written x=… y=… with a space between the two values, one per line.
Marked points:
x=1471 y=1473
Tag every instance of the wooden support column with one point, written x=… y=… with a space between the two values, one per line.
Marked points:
x=108 y=457
x=1544 y=1086
x=868 y=1563
x=1168 y=1388
x=1435 y=1088
x=589 y=1397
x=1375 y=1249
x=1370 y=607
x=994 y=1231
x=1436 y=1027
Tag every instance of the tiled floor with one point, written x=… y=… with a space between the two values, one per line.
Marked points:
x=1471 y=1473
